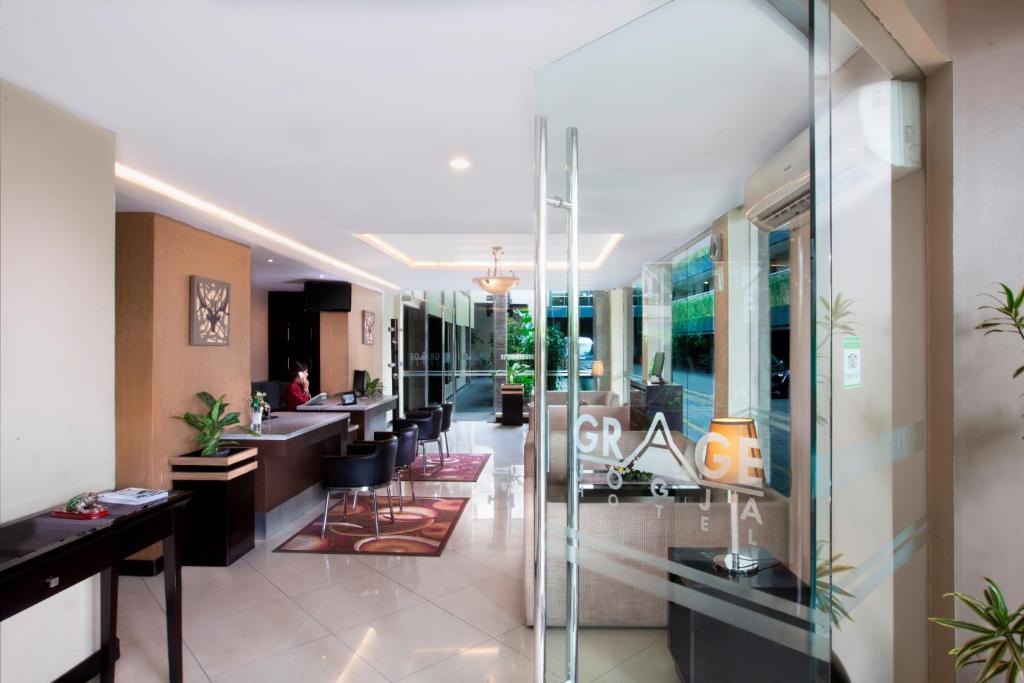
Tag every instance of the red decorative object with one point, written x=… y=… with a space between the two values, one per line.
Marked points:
x=93 y=514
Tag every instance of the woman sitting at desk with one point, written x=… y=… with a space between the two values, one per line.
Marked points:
x=298 y=390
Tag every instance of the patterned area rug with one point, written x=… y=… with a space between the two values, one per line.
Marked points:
x=465 y=467
x=422 y=529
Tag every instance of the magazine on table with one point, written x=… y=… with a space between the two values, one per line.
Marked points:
x=132 y=496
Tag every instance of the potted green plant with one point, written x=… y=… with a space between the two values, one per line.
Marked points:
x=998 y=639
x=1009 y=316
x=257 y=405
x=211 y=425
x=373 y=388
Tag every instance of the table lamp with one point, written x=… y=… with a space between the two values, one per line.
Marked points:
x=597 y=371
x=726 y=463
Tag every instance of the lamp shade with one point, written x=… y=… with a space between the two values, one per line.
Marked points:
x=597 y=369
x=729 y=460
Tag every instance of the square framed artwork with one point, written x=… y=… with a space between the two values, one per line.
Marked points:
x=369 y=327
x=209 y=312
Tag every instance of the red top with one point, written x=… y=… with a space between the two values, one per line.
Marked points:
x=296 y=396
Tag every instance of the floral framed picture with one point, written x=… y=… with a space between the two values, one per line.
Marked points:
x=209 y=312
x=369 y=327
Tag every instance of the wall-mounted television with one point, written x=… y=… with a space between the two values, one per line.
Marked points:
x=328 y=295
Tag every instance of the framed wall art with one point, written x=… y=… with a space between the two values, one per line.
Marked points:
x=369 y=327
x=209 y=311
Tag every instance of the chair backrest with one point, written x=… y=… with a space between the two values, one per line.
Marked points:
x=446 y=416
x=428 y=420
x=366 y=463
x=275 y=392
x=407 y=435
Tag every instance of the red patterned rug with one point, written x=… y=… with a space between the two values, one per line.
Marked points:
x=464 y=467
x=422 y=529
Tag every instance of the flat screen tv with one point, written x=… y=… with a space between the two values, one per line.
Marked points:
x=326 y=295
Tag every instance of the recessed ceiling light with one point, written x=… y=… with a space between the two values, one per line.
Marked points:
x=270 y=260
x=322 y=275
x=460 y=163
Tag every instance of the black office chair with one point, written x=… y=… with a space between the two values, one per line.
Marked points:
x=407 y=448
x=366 y=466
x=428 y=421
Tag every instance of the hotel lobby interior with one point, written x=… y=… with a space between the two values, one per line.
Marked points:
x=619 y=341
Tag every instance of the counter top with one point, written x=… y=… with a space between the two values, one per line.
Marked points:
x=289 y=425
x=333 y=404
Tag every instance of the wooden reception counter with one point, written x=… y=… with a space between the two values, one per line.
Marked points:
x=369 y=415
x=290 y=453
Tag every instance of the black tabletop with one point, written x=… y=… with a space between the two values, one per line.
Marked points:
x=30 y=536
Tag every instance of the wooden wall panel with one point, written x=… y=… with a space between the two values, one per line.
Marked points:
x=335 y=375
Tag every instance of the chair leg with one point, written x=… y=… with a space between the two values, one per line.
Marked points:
x=423 y=447
x=344 y=506
x=327 y=506
x=391 y=508
x=440 y=448
x=355 y=499
x=376 y=522
x=401 y=495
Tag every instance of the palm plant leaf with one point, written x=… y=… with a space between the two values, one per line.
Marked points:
x=998 y=647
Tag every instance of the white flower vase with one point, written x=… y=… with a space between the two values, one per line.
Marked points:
x=256 y=420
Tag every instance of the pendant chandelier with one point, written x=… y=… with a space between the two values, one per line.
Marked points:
x=496 y=282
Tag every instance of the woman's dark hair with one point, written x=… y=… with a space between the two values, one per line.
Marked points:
x=298 y=367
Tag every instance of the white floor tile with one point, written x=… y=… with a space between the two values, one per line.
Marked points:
x=653 y=665
x=146 y=662
x=326 y=660
x=494 y=606
x=411 y=640
x=356 y=601
x=432 y=577
x=295 y=573
x=139 y=617
x=214 y=592
x=246 y=637
x=503 y=555
x=491 y=662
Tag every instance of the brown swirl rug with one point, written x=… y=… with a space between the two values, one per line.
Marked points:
x=423 y=528
x=462 y=467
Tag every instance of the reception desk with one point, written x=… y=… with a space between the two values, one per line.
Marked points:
x=290 y=453
x=369 y=415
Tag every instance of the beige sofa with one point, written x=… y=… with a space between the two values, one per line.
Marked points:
x=620 y=542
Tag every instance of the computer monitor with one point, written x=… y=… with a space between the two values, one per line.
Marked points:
x=359 y=382
x=657 y=367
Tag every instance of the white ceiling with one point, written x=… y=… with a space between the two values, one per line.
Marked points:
x=322 y=119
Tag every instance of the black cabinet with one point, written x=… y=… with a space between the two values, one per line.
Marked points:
x=293 y=334
x=707 y=648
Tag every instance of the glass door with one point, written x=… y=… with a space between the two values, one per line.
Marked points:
x=682 y=490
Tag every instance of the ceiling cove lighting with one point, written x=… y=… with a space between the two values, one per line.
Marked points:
x=496 y=282
x=460 y=163
x=158 y=186
x=406 y=260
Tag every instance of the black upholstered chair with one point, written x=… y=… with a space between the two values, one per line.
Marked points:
x=407 y=449
x=366 y=466
x=428 y=422
x=446 y=424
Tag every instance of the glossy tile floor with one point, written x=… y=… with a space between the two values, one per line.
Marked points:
x=290 y=617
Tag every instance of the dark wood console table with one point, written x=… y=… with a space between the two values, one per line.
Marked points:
x=41 y=556
x=705 y=648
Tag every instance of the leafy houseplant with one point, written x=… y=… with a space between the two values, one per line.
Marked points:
x=373 y=388
x=210 y=426
x=998 y=642
x=826 y=592
x=1009 y=310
